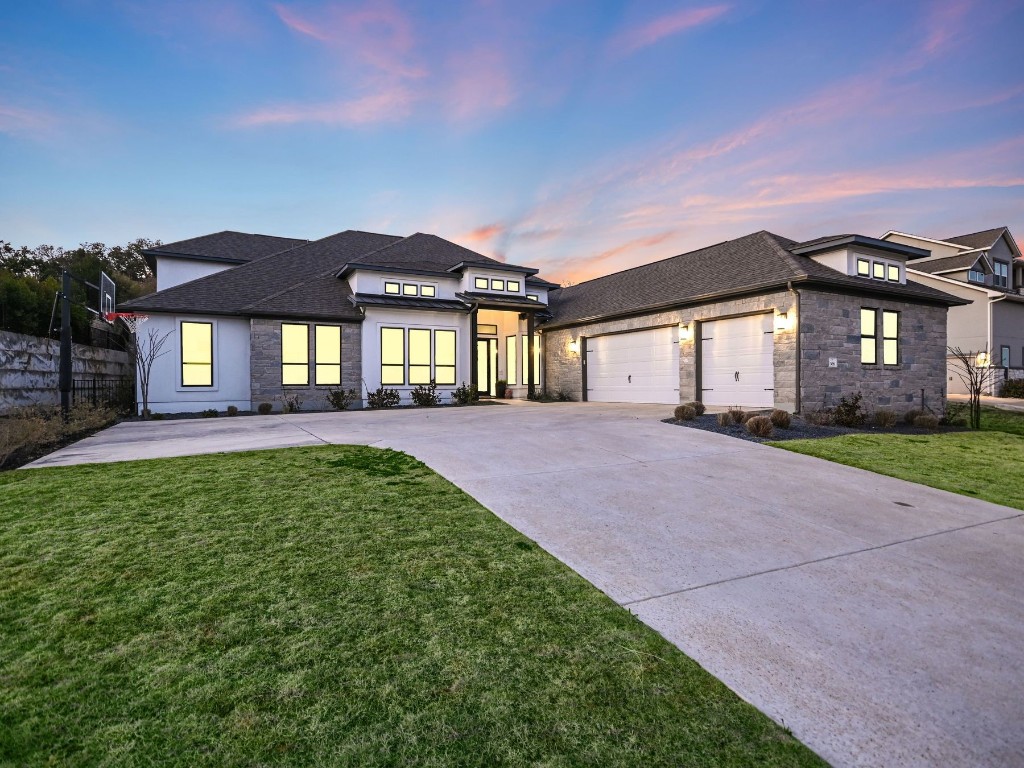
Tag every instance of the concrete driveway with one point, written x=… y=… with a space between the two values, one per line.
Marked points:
x=880 y=620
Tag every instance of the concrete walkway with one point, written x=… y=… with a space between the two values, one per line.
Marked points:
x=1005 y=403
x=880 y=620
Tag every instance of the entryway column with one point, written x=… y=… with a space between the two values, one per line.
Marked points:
x=529 y=356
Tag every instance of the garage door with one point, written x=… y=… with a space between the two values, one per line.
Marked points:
x=636 y=367
x=736 y=362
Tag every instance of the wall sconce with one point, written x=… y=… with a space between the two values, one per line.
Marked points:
x=982 y=360
x=686 y=331
x=574 y=346
x=782 y=321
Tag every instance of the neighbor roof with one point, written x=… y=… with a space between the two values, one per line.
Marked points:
x=984 y=239
x=753 y=263
x=226 y=246
x=954 y=263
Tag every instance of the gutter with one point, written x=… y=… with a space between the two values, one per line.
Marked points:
x=799 y=318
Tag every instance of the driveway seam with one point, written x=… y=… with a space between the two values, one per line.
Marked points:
x=821 y=560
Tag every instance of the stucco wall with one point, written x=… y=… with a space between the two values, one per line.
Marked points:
x=564 y=371
x=265 y=364
x=830 y=328
x=175 y=271
x=29 y=368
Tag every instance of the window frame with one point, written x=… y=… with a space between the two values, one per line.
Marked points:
x=481 y=326
x=396 y=285
x=876 y=267
x=866 y=264
x=889 y=269
x=317 y=365
x=445 y=366
x=511 y=359
x=497 y=284
x=294 y=365
x=384 y=365
x=976 y=275
x=873 y=336
x=425 y=288
x=510 y=283
x=1000 y=280
x=417 y=379
x=181 y=354
x=895 y=338
x=533 y=297
x=476 y=283
x=410 y=289
x=536 y=362
x=1004 y=355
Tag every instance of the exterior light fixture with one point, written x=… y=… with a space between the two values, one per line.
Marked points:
x=782 y=321
x=574 y=346
x=685 y=331
x=982 y=360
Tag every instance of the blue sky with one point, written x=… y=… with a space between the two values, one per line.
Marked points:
x=580 y=137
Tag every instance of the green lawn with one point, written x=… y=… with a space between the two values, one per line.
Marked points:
x=984 y=464
x=330 y=606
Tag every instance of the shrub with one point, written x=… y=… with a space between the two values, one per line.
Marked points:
x=820 y=418
x=697 y=406
x=383 y=398
x=232 y=410
x=885 y=418
x=927 y=421
x=1012 y=388
x=563 y=397
x=849 y=412
x=210 y=413
x=912 y=414
x=465 y=394
x=725 y=419
x=341 y=399
x=738 y=415
x=291 y=403
x=685 y=413
x=25 y=430
x=156 y=416
x=954 y=415
x=760 y=426
x=781 y=418
x=426 y=395
x=264 y=409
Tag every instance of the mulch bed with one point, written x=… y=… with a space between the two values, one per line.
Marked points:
x=802 y=430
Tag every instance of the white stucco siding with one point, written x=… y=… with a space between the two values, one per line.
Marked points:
x=230 y=366
x=175 y=271
x=377 y=318
x=373 y=282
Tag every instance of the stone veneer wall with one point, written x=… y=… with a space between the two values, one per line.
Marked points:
x=265 y=364
x=830 y=327
x=564 y=371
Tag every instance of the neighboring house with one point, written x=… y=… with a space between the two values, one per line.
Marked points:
x=985 y=268
x=759 y=321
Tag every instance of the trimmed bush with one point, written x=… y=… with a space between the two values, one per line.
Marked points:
x=1012 y=388
x=912 y=414
x=781 y=418
x=698 y=406
x=926 y=421
x=341 y=399
x=849 y=412
x=738 y=415
x=210 y=413
x=291 y=403
x=426 y=395
x=156 y=416
x=465 y=394
x=264 y=409
x=725 y=419
x=759 y=426
x=232 y=410
x=383 y=398
x=885 y=418
x=685 y=413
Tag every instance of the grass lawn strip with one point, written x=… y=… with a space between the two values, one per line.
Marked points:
x=333 y=605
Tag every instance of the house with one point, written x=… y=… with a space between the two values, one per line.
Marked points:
x=759 y=321
x=985 y=268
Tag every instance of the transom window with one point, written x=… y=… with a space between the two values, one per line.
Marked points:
x=428 y=291
x=512 y=285
x=410 y=289
x=863 y=267
x=487 y=329
x=481 y=283
x=878 y=270
x=497 y=285
x=392 y=288
x=868 y=336
x=294 y=354
x=890 y=338
x=196 y=354
x=1000 y=274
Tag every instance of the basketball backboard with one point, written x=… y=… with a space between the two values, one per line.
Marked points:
x=108 y=297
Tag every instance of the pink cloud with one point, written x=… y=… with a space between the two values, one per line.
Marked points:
x=481 y=234
x=633 y=39
x=480 y=84
x=390 y=105
x=20 y=121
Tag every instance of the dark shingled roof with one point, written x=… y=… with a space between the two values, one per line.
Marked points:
x=237 y=247
x=984 y=239
x=296 y=282
x=424 y=252
x=949 y=263
x=406 y=302
x=756 y=262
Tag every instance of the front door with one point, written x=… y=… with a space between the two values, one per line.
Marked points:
x=487 y=366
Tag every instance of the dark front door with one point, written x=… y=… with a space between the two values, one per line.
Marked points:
x=487 y=366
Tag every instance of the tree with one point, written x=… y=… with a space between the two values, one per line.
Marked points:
x=146 y=352
x=976 y=372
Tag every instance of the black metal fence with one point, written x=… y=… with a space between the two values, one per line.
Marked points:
x=118 y=393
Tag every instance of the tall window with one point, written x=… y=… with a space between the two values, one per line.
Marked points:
x=294 y=354
x=868 y=336
x=1001 y=273
x=1004 y=356
x=890 y=338
x=419 y=356
x=444 y=357
x=196 y=354
x=392 y=356
x=536 y=359
x=510 y=362
x=328 y=355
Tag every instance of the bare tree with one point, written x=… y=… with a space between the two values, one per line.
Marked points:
x=976 y=372
x=147 y=351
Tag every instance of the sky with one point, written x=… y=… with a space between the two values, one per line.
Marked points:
x=578 y=137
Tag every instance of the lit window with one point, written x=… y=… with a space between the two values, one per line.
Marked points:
x=536 y=358
x=427 y=291
x=890 y=338
x=533 y=297
x=868 y=336
x=444 y=357
x=512 y=285
x=294 y=354
x=419 y=356
x=1000 y=274
x=328 y=354
x=197 y=354
x=878 y=270
x=410 y=289
x=894 y=273
x=391 y=288
x=510 y=362
x=481 y=282
x=863 y=268
x=487 y=329
x=497 y=285
x=392 y=356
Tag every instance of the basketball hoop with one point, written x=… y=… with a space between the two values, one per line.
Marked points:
x=131 y=319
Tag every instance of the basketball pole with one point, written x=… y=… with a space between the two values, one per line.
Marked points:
x=65 y=376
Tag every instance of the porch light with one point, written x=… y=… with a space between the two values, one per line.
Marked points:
x=574 y=346
x=782 y=321
x=982 y=360
x=685 y=331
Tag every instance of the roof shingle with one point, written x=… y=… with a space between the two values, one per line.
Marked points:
x=230 y=246
x=984 y=239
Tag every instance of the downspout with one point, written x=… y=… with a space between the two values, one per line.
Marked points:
x=796 y=329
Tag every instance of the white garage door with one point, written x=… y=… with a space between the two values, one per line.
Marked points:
x=736 y=362
x=635 y=367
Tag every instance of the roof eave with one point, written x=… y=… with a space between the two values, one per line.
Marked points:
x=867 y=242
x=498 y=266
x=351 y=267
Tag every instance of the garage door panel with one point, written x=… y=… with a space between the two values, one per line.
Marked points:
x=737 y=362
x=635 y=367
